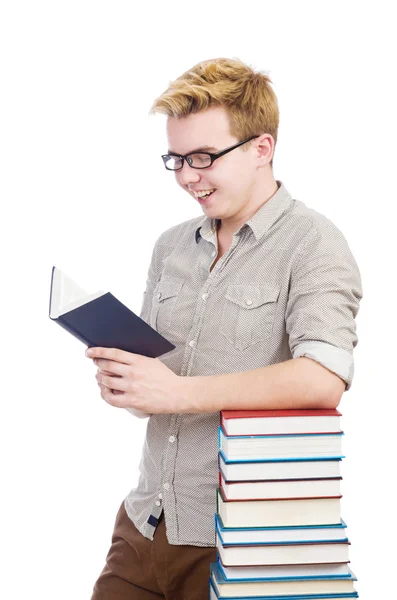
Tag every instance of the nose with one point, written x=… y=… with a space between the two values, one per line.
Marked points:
x=187 y=174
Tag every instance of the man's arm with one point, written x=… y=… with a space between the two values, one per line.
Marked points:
x=294 y=384
x=323 y=302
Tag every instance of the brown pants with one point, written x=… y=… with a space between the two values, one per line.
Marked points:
x=140 y=569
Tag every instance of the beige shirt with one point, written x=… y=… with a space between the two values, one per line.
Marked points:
x=288 y=286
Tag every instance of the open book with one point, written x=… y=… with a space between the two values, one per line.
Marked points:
x=99 y=319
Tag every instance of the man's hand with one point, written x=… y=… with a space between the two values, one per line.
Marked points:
x=130 y=380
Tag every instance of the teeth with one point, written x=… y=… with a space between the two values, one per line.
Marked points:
x=203 y=193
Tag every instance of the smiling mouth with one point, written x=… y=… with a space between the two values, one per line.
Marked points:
x=204 y=193
x=204 y=198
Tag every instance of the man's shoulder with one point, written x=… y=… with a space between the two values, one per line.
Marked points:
x=317 y=228
x=314 y=222
x=182 y=234
x=303 y=213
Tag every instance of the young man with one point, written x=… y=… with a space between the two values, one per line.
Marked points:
x=259 y=296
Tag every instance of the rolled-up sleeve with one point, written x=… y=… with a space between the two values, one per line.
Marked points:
x=325 y=292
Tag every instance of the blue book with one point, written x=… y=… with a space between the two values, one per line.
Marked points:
x=101 y=320
x=285 y=572
x=247 y=470
x=299 y=446
x=279 y=535
x=322 y=587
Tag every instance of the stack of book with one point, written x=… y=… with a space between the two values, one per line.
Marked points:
x=279 y=531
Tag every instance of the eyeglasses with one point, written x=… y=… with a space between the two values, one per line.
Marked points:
x=197 y=160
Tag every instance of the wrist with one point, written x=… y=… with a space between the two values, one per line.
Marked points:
x=199 y=396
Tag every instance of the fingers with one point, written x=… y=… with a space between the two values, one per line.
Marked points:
x=105 y=389
x=109 y=373
x=121 y=356
x=113 y=367
x=111 y=382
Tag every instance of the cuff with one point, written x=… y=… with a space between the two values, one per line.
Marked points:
x=138 y=413
x=335 y=359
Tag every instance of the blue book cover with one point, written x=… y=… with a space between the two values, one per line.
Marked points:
x=279 y=435
x=213 y=595
x=248 y=461
x=280 y=451
x=218 y=574
x=280 y=535
x=284 y=572
x=104 y=321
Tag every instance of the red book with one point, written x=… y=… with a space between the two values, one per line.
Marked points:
x=280 y=422
x=278 y=489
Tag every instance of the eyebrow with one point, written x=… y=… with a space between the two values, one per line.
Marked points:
x=201 y=149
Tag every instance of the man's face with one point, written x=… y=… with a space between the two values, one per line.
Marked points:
x=232 y=176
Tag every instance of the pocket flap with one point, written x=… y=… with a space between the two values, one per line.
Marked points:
x=251 y=296
x=168 y=287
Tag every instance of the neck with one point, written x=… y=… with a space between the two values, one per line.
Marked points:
x=228 y=226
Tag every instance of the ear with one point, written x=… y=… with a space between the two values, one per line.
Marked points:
x=265 y=148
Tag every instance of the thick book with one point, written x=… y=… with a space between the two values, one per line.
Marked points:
x=100 y=319
x=284 y=512
x=280 y=447
x=298 y=488
x=284 y=554
x=262 y=422
x=311 y=571
x=214 y=595
x=279 y=587
x=261 y=535
x=248 y=470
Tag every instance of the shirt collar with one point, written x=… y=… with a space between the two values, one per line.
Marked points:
x=260 y=222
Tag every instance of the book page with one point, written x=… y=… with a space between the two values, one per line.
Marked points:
x=66 y=295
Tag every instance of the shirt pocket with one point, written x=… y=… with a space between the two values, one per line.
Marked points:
x=248 y=314
x=165 y=296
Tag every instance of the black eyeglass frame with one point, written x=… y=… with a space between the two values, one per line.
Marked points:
x=213 y=156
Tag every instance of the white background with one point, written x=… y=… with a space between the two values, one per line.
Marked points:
x=83 y=188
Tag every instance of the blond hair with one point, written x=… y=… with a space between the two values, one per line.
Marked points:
x=246 y=95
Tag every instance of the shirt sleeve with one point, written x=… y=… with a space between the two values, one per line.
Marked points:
x=325 y=291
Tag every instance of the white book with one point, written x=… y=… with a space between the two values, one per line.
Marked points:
x=213 y=595
x=283 y=513
x=281 y=587
x=299 y=488
x=280 y=447
x=284 y=554
x=259 y=535
x=284 y=571
x=298 y=469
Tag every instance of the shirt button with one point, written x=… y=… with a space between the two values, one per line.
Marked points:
x=192 y=343
x=213 y=253
x=248 y=302
x=166 y=486
x=161 y=496
x=204 y=296
x=171 y=439
x=157 y=503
